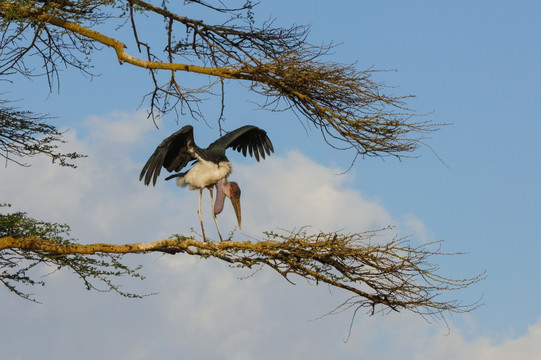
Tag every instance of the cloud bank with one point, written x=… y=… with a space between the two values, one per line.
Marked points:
x=204 y=309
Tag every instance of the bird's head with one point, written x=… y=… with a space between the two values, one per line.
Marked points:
x=233 y=193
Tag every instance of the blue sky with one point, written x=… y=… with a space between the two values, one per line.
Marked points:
x=472 y=65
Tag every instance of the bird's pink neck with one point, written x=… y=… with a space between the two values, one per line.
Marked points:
x=222 y=190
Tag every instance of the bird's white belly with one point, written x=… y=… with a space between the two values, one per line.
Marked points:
x=205 y=173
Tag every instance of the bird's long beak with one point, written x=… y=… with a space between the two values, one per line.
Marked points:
x=236 y=205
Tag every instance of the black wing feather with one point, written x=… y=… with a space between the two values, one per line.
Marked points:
x=172 y=154
x=247 y=139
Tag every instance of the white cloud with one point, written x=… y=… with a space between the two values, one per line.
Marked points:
x=102 y=199
x=293 y=191
x=455 y=346
x=117 y=129
x=410 y=224
x=203 y=310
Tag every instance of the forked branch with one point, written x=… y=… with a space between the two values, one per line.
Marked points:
x=345 y=104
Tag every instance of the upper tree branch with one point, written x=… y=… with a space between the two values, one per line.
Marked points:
x=118 y=46
x=344 y=103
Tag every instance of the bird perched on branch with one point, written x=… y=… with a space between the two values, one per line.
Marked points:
x=210 y=166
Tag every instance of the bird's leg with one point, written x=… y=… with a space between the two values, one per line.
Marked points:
x=200 y=215
x=213 y=214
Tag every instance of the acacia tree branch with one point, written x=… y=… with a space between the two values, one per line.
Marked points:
x=343 y=103
x=17 y=264
x=25 y=134
x=119 y=47
x=391 y=275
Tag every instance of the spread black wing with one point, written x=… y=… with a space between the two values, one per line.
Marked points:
x=174 y=154
x=247 y=139
x=171 y=154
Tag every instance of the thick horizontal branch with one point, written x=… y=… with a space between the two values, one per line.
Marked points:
x=392 y=275
x=38 y=244
x=119 y=47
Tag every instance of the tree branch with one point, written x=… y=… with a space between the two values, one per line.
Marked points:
x=24 y=134
x=119 y=47
x=392 y=275
x=345 y=104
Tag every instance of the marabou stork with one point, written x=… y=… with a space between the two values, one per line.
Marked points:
x=211 y=166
